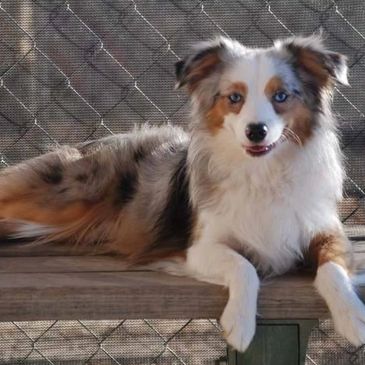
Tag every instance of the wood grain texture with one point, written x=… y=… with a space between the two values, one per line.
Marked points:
x=40 y=288
x=102 y=287
x=106 y=295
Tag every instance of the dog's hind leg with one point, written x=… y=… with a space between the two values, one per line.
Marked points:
x=53 y=190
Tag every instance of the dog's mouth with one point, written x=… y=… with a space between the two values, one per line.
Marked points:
x=257 y=150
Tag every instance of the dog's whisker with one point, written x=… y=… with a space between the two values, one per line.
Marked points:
x=292 y=135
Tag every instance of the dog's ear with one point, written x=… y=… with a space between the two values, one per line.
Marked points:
x=313 y=62
x=205 y=59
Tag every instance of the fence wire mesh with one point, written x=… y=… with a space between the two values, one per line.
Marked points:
x=124 y=342
x=77 y=70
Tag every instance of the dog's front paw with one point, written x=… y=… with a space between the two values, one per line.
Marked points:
x=239 y=322
x=349 y=319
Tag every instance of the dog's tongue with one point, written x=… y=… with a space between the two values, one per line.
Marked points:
x=258 y=148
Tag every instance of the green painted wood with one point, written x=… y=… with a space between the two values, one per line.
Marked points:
x=305 y=328
x=273 y=344
x=231 y=356
x=276 y=342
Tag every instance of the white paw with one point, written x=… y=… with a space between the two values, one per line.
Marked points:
x=348 y=312
x=239 y=322
x=349 y=319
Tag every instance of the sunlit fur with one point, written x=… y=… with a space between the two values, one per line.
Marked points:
x=211 y=203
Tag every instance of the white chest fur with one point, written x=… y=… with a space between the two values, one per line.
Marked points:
x=274 y=207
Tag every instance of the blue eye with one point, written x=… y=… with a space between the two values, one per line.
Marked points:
x=235 y=98
x=280 y=96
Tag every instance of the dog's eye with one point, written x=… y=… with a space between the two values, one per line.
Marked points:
x=280 y=96
x=235 y=98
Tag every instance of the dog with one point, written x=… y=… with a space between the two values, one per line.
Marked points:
x=248 y=192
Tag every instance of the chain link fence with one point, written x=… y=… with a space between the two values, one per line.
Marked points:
x=124 y=342
x=77 y=70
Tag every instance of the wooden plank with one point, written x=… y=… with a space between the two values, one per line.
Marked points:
x=106 y=295
x=72 y=289
x=99 y=287
x=61 y=264
x=291 y=296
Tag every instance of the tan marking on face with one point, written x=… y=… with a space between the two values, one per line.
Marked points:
x=223 y=106
x=298 y=116
x=273 y=85
x=327 y=247
x=300 y=120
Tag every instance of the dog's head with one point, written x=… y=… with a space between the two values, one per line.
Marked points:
x=259 y=98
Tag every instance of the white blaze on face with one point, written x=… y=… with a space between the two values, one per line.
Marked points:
x=255 y=70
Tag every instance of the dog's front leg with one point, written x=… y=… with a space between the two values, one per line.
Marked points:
x=216 y=263
x=333 y=282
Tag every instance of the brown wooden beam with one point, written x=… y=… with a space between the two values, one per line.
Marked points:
x=40 y=288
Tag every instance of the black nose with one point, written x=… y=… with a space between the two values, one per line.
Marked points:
x=256 y=132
